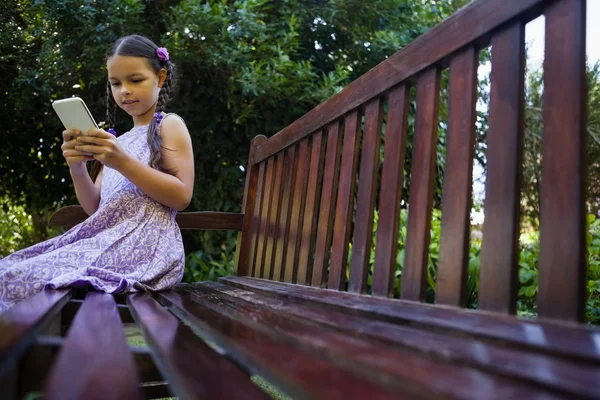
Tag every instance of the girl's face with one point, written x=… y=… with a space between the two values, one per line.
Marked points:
x=135 y=86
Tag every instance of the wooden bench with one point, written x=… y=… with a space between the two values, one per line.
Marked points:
x=297 y=314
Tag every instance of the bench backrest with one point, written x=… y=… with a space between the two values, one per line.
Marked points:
x=300 y=210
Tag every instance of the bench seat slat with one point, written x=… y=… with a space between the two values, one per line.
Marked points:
x=265 y=352
x=94 y=361
x=193 y=369
x=549 y=337
x=21 y=323
x=379 y=362
x=577 y=379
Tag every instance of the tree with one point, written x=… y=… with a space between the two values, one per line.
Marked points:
x=245 y=68
x=533 y=145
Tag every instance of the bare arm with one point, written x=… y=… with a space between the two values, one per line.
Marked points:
x=88 y=193
x=171 y=189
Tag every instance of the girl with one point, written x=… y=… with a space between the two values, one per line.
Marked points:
x=140 y=179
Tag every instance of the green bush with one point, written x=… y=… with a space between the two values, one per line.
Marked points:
x=204 y=266
x=16 y=227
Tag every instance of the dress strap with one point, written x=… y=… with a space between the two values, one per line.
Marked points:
x=163 y=117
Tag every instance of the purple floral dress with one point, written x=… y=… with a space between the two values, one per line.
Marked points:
x=130 y=243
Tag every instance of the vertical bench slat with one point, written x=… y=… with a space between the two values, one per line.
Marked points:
x=456 y=195
x=328 y=200
x=264 y=218
x=96 y=334
x=274 y=213
x=258 y=210
x=344 y=204
x=310 y=214
x=365 y=203
x=284 y=224
x=298 y=202
x=391 y=192
x=500 y=251
x=243 y=250
x=177 y=351
x=421 y=186
x=562 y=198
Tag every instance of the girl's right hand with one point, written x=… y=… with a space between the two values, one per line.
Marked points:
x=75 y=158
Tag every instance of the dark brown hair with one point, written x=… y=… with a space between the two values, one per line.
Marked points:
x=141 y=46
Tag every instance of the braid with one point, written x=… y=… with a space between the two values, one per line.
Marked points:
x=154 y=139
x=111 y=109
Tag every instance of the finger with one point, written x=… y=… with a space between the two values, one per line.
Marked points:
x=70 y=144
x=89 y=149
x=75 y=153
x=98 y=141
x=69 y=134
x=80 y=159
x=100 y=133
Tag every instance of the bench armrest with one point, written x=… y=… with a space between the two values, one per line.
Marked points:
x=72 y=215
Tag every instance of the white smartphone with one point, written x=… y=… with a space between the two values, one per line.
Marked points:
x=74 y=114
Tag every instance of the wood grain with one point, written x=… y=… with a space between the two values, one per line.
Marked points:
x=193 y=369
x=290 y=166
x=83 y=372
x=274 y=214
x=453 y=260
x=263 y=228
x=568 y=341
x=245 y=243
x=20 y=325
x=328 y=201
x=297 y=212
x=543 y=371
x=391 y=192
x=345 y=202
x=365 y=203
x=421 y=187
x=500 y=250
x=309 y=226
x=562 y=262
x=256 y=220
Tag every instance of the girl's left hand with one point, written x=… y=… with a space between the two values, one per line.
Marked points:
x=103 y=147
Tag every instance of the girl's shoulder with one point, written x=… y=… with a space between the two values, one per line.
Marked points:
x=172 y=123
x=167 y=115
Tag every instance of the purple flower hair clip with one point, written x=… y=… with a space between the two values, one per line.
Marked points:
x=162 y=54
x=112 y=131
x=159 y=117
